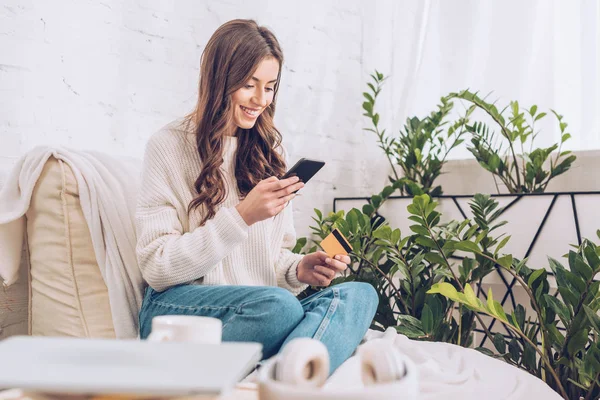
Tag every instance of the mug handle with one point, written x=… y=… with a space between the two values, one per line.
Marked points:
x=159 y=336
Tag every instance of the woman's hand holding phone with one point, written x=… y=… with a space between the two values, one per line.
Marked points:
x=268 y=198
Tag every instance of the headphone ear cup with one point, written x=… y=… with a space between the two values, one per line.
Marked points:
x=303 y=362
x=381 y=362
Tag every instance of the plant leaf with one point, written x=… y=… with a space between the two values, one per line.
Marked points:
x=421 y=230
x=534 y=276
x=427 y=319
x=446 y=290
x=432 y=257
x=500 y=343
x=505 y=261
x=559 y=308
x=577 y=342
x=465 y=245
x=427 y=242
x=592 y=317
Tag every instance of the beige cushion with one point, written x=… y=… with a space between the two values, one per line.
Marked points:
x=68 y=294
x=14 y=299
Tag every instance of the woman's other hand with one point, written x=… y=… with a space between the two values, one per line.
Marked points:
x=318 y=269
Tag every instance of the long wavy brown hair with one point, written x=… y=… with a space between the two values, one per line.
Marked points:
x=229 y=60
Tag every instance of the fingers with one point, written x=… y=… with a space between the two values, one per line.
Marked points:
x=278 y=184
x=321 y=279
x=343 y=258
x=339 y=262
x=289 y=189
x=284 y=200
x=327 y=272
x=281 y=203
x=336 y=265
x=288 y=181
x=270 y=179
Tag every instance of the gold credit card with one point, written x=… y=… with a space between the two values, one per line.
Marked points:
x=335 y=243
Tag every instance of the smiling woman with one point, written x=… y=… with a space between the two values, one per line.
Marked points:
x=214 y=228
x=240 y=67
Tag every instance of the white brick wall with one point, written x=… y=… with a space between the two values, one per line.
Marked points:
x=106 y=74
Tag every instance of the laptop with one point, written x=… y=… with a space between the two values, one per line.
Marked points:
x=109 y=366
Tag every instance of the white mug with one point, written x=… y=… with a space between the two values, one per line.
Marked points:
x=186 y=328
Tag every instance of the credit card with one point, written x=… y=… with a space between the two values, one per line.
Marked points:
x=335 y=243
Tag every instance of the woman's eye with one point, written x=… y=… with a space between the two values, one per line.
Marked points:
x=269 y=89
x=248 y=86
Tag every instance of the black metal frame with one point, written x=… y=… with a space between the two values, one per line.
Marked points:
x=518 y=197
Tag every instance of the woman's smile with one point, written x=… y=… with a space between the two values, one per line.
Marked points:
x=250 y=112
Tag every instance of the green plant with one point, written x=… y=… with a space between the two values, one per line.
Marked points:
x=427 y=294
x=527 y=171
x=403 y=268
x=421 y=147
x=569 y=362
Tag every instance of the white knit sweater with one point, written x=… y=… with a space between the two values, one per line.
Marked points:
x=173 y=249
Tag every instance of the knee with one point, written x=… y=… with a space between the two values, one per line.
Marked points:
x=280 y=307
x=284 y=302
x=362 y=296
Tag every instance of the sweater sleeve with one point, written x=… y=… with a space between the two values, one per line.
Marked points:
x=286 y=263
x=167 y=255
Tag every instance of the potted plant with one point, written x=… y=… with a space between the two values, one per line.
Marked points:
x=544 y=224
x=427 y=294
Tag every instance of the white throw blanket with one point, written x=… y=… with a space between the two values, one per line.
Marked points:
x=450 y=372
x=107 y=189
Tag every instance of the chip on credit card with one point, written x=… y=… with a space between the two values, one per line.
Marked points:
x=335 y=243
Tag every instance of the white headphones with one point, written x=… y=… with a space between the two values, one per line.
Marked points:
x=305 y=362
x=301 y=369
x=381 y=362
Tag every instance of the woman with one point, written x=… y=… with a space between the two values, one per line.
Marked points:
x=213 y=222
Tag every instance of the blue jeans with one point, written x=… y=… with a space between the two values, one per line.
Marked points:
x=338 y=316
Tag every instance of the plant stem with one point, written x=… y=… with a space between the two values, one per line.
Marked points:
x=506 y=135
x=591 y=390
x=576 y=310
x=542 y=356
x=389 y=281
x=557 y=153
x=538 y=311
x=542 y=352
x=508 y=180
x=386 y=150
x=459 y=322
x=496 y=183
x=518 y=331
x=544 y=185
x=512 y=149
x=485 y=328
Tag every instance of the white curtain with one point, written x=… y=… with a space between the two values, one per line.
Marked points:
x=544 y=52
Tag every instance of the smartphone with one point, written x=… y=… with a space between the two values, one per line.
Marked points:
x=304 y=169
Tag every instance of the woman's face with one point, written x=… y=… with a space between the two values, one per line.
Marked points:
x=256 y=95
